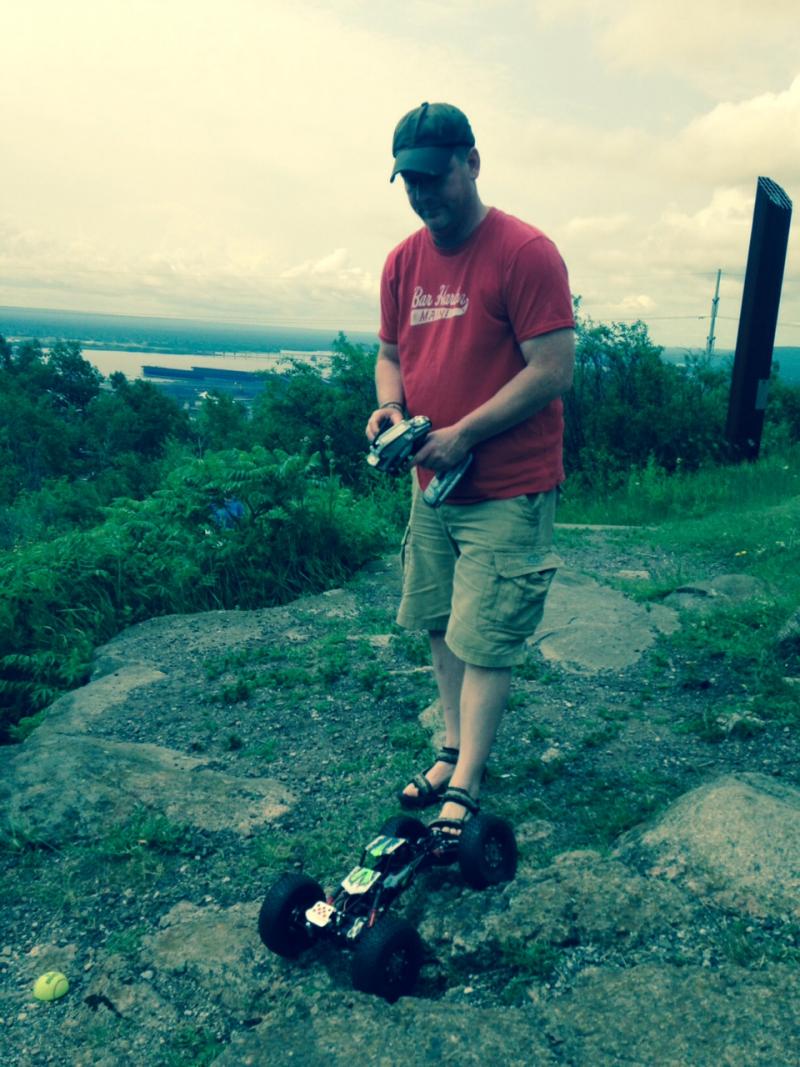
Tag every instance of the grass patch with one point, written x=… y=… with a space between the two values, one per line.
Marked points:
x=747 y=944
x=413 y=647
x=192 y=1046
x=126 y=942
x=601 y=735
x=651 y=495
x=606 y=806
x=147 y=831
x=530 y=959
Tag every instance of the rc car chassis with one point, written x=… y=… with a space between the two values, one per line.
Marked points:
x=387 y=949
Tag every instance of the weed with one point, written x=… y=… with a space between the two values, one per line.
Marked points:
x=620 y=713
x=125 y=942
x=518 y=699
x=607 y=806
x=747 y=943
x=544 y=773
x=15 y=840
x=274 y=851
x=413 y=647
x=267 y=751
x=537 y=959
x=375 y=679
x=408 y=737
x=602 y=735
x=515 y=991
x=192 y=1046
x=538 y=731
x=146 y=831
x=333 y=665
x=236 y=692
x=531 y=669
x=283 y=676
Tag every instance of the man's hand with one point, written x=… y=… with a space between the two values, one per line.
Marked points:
x=442 y=449
x=381 y=419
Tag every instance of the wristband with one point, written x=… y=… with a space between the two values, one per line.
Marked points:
x=392 y=404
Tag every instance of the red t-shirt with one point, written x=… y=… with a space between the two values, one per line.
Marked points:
x=458 y=318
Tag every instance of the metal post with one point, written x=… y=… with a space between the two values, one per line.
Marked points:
x=714 y=306
x=758 y=320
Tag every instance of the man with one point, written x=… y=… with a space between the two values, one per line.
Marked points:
x=477 y=334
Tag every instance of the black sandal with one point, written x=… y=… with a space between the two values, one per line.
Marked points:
x=446 y=828
x=428 y=794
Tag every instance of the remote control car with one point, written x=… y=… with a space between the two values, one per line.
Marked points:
x=387 y=949
x=391 y=452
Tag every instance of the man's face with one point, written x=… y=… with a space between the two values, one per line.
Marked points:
x=444 y=202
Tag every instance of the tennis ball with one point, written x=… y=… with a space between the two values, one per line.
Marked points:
x=50 y=986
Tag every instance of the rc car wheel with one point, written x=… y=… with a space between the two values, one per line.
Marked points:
x=406 y=826
x=487 y=851
x=387 y=959
x=281 y=922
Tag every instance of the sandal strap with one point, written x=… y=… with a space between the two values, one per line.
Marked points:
x=423 y=786
x=447 y=755
x=447 y=824
x=462 y=797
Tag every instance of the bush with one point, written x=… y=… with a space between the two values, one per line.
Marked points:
x=627 y=407
x=185 y=548
x=306 y=409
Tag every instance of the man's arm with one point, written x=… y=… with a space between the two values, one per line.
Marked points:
x=389 y=390
x=549 y=361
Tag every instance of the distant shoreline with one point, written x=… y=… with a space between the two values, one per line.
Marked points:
x=148 y=334
x=181 y=338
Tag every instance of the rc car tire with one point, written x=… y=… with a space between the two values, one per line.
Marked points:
x=387 y=959
x=281 y=922
x=487 y=851
x=406 y=826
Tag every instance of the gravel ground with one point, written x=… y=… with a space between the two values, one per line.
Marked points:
x=327 y=701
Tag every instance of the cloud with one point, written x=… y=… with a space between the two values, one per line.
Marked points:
x=329 y=292
x=598 y=225
x=737 y=142
x=724 y=47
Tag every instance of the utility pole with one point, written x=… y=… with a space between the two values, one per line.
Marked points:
x=714 y=306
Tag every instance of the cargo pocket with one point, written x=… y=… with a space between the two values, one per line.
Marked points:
x=522 y=580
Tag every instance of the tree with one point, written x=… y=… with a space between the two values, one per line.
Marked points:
x=313 y=410
x=627 y=406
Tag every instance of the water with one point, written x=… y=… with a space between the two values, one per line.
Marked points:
x=150 y=335
x=130 y=363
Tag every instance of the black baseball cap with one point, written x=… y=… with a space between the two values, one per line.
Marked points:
x=424 y=139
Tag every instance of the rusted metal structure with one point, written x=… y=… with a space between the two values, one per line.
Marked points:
x=758 y=320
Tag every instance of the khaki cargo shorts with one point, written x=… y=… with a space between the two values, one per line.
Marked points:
x=479 y=573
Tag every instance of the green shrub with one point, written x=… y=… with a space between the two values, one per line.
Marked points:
x=326 y=412
x=299 y=530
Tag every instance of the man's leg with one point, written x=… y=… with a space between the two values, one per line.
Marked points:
x=501 y=578
x=484 y=694
x=448 y=670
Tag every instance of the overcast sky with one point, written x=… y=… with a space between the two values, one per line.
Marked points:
x=230 y=160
